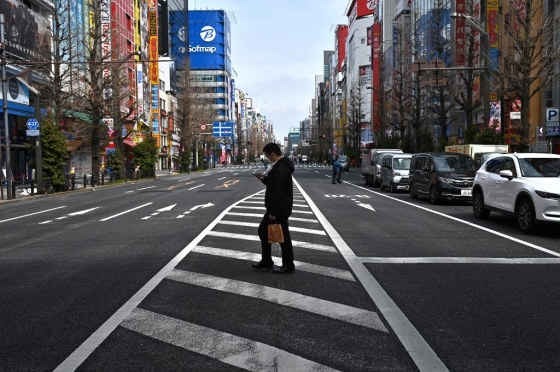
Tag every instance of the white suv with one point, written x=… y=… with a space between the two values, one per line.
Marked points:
x=526 y=186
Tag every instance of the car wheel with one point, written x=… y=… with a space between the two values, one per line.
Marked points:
x=411 y=190
x=525 y=215
x=434 y=198
x=382 y=185
x=478 y=206
x=392 y=188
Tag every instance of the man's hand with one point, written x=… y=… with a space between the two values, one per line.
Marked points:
x=260 y=176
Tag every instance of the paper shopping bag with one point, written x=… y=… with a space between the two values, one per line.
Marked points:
x=275 y=234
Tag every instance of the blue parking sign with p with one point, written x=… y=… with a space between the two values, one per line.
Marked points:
x=553 y=122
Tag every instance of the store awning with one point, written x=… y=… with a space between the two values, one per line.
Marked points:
x=72 y=145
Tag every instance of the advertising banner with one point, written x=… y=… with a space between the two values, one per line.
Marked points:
x=154 y=68
x=209 y=39
x=361 y=8
x=460 y=34
x=402 y=6
x=341 y=36
x=376 y=71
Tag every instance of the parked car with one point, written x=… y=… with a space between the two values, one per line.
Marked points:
x=481 y=157
x=394 y=171
x=371 y=165
x=441 y=175
x=343 y=159
x=525 y=186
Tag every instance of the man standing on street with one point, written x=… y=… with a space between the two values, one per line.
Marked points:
x=336 y=168
x=278 y=201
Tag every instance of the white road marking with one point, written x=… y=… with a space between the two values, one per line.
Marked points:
x=61 y=218
x=418 y=349
x=196 y=187
x=82 y=212
x=44 y=222
x=167 y=208
x=252 y=202
x=219 y=179
x=31 y=214
x=531 y=245
x=145 y=188
x=295 y=243
x=264 y=209
x=74 y=360
x=201 y=206
x=301 y=205
x=125 y=212
x=460 y=260
x=349 y=314
x=225 y=347
x=366 y=206
x=253 y=224
x=301 y=266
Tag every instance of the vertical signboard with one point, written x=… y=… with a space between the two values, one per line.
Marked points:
x=154 y=69
x=376 y=70
x=553 y=122
x=106 y=42
x=460 y=34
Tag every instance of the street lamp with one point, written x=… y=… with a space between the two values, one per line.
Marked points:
x=485 y=77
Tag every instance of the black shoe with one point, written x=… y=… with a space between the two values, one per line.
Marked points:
x=284 y=270
x=263 y=266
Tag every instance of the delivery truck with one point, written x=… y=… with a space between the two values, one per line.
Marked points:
x=479 y=153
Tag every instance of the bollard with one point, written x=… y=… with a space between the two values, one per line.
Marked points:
x=13 y=190
x=73 y=181
x=32 y=188
x=85 y=181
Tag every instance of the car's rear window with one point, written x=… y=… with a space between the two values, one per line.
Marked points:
x=401 y=163
x=454 y=163
x=540 y=167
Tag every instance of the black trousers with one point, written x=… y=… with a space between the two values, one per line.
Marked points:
x=287 y=248
x=336 y=176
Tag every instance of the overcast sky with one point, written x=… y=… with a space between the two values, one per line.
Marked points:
x=277 y=49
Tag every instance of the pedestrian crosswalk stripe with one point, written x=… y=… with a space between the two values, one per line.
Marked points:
x=333 y=310
x=254 y=224
x=301 y=266
x=295 y=243
x=459 y=260
x=263 y=209
x=225 y=347
x=260 y=216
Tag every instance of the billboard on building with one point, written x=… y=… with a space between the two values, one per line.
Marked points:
x=361 y=8
x=209 y=39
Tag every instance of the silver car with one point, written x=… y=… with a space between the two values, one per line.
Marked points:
x=394 y=171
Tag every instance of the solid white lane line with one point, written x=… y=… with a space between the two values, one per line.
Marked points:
x=301 y=266
x=295 y=243
x=31 y=214
x=74 y=360
x=460 y=260
x=125 y=212
x=345 y=313
x=254 y=224
x=225 y=347
x=418 y=349
x=196 y=187
x=530 y=245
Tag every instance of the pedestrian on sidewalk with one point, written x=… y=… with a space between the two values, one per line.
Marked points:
x=337 y=169
x=278 y=201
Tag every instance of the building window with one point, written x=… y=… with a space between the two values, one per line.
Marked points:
x=362 y=41
x=162 y=85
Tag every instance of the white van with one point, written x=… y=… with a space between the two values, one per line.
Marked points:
x=394 y=171
x=372 y=170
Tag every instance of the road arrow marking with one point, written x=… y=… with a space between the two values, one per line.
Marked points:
x=201 y=206
x=366 y=206
x=82 y=212
x=166 y=208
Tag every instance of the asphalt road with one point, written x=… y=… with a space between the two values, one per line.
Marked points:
x=156 y=276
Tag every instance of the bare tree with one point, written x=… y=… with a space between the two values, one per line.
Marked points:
x=356 y=115
x=529 y=55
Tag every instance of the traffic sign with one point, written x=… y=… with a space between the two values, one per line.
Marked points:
x=32 y=123
x=203 y=127
x=32 y=132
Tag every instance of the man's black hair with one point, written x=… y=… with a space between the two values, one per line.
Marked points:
x=272 y=148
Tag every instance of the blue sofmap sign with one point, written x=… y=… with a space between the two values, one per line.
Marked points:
x=222 y=129
x=209 y=39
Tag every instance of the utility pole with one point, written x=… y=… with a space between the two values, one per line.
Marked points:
x=5 y=107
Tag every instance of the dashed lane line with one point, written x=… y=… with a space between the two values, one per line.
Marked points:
x=301 y=266
x=31 y=214
x=329 y=309
x=225 y=347
x=196 y=187
x=125 y=212
x=295 y=243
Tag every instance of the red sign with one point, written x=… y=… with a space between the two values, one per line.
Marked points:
x=361 y=8
x=341 y=36
x=375 y=72
x=460 y=34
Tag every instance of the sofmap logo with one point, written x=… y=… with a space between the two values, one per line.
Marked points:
x=207 y=33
